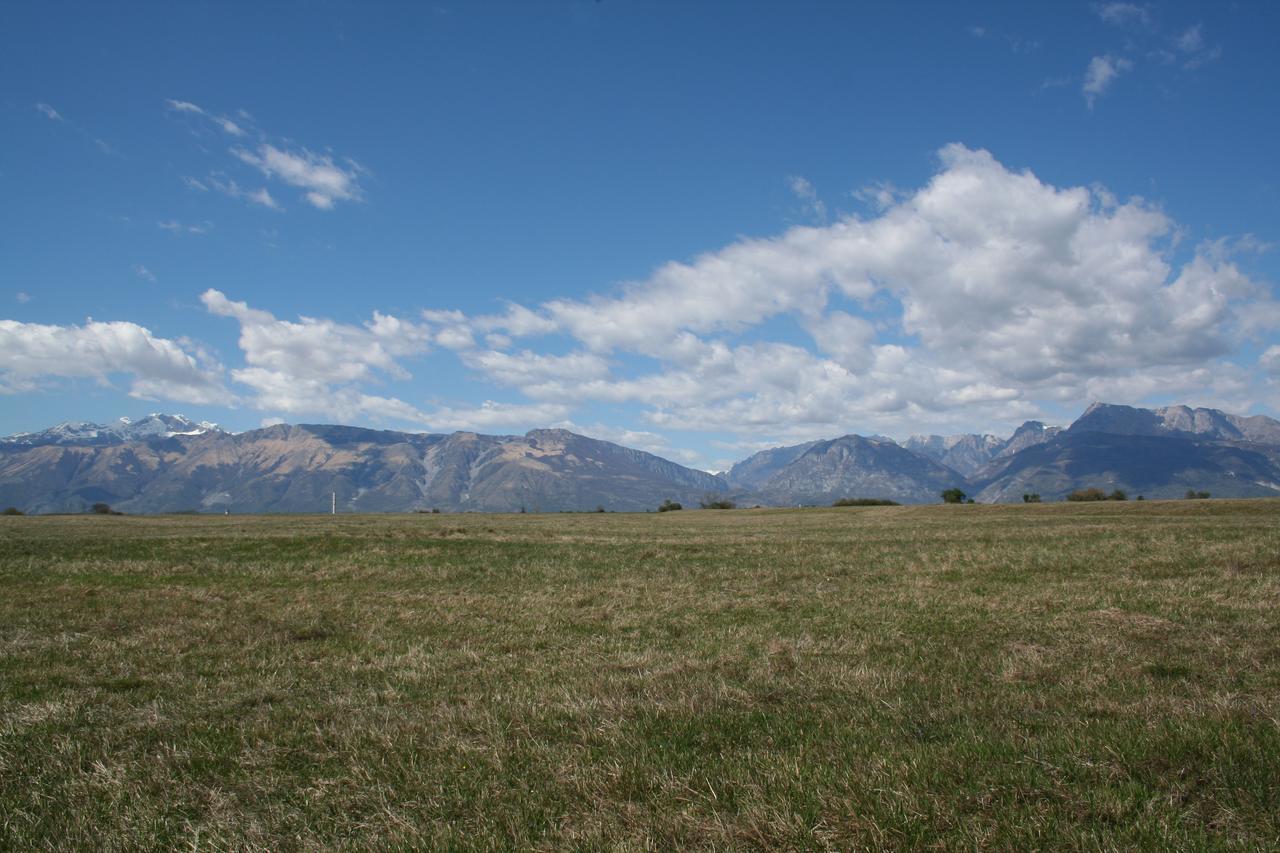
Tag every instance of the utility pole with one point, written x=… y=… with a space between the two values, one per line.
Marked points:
x=333 y=506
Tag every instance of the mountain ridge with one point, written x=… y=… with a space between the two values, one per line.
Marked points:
x=165 y=463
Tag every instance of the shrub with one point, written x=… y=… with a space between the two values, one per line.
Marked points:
x=12 y=510
x=1087 y=495
x=669 y=506
x=1031 y=498
x=953 y=496
x=717 y=503
x=865 y=502
x=1192 y=495
x=1118 y=495
x=104 y=509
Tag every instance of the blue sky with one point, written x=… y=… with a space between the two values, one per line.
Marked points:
x=695 y=228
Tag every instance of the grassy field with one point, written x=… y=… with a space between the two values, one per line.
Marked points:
x=1093 y=676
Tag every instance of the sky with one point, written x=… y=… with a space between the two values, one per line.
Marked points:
x=698 y=229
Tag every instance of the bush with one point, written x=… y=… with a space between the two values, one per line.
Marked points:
x=104 y=509
x=1031 y=498
x=1118 y=495
x=865 y=502
x=717 y=503
x=12 y=510
x=1087 y=495
x=1192 y=495
x=669 y=506
x=953 y=496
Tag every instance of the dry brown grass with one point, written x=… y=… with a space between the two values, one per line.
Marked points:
x=1087 y=676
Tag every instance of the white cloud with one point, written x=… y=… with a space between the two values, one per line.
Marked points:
x=143 y=273
x=323 y=180
x=982 y=296
x=31 y=353
x=229 y=187
x=23 y=297
x=1125 y=13
x=1191 y=40
x=49 y=112
x=808 y=196
x=173 y=226
x=491 y=415
x=183 y=106
x=1099 y=75
x=227 y=125
x=315 y=365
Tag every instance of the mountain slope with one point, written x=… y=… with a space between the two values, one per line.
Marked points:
x=297 y=468
x=1156 y=466
x=1178 y=421
x=853 y=466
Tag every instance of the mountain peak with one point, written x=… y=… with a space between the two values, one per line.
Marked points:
x=125 y=429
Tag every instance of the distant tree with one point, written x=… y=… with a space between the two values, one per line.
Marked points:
x=104 y=509
x=1140 y=498
x=669 y=506
x=599 y=508
x=1031 y=498
x=12 y=510
x=435 y=510
x=711 y=502
x=1087 y=495
x=1193 y=495
x=1118 y=495
x=953 y=496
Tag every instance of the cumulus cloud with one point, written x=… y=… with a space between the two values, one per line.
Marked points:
x=32 y=354
x=23 y=297
x=983 y=296
x=323 y=181
x=316 y=365
x=1102 y=71
x=491 y=415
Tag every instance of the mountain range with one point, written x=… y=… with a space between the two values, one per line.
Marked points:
x=167 y=463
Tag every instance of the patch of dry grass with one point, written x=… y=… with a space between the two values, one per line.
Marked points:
x=1086 y=676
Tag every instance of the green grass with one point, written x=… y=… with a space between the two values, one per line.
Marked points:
x=1086 y=676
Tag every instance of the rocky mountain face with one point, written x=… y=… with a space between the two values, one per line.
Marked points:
x=970 y=453
x=852 y=466
x=1178 y=421
x=1155 y=466
x=297 y=469
x=963 y=453
x=167 y=463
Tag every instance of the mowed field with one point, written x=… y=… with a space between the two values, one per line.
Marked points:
x=1091 y=676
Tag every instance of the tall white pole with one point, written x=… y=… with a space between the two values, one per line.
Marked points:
x=333 y=507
